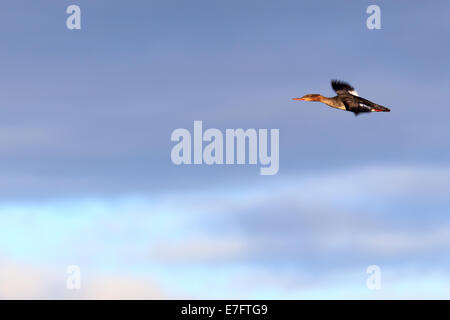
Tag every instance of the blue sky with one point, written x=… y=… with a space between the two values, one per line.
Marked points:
x=86 y=118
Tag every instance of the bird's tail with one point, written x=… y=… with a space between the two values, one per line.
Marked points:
x=379 y=108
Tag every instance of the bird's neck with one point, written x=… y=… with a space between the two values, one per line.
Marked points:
x=322 y=99
x=332 y=102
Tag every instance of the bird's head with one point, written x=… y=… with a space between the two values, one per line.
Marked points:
x=309 y=97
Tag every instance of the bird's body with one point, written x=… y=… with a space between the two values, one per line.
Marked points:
x=347 y=99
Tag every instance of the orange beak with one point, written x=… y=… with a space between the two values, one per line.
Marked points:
x=298 y=99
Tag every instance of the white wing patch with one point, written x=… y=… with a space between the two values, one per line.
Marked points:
x=365 y=106
x=353 y=92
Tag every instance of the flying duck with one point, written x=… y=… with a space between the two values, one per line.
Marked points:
x=347 y=99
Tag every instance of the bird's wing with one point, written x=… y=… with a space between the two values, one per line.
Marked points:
x=341 y=87
x=356 y=104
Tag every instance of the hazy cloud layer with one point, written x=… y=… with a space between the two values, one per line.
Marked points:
x=292 y=236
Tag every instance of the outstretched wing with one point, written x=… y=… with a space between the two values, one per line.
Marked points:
x=356 y=104
x=342 y=88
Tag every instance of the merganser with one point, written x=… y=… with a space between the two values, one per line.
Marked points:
x=347 y=99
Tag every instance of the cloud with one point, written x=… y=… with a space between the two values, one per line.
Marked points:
x=22 y=280
x=123 y=287
x=19 y=281
x=294 y=232
x=345 y=216
x=200 y=250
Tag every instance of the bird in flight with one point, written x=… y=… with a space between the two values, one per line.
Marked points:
x=347 y=99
